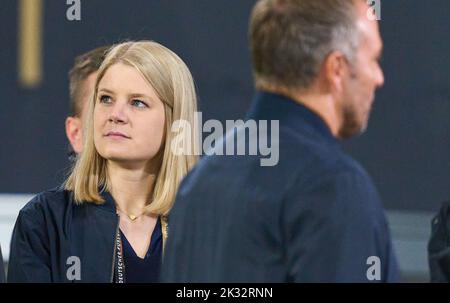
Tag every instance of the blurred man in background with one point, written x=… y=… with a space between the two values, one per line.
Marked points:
x=82 y=78
x=316 y=216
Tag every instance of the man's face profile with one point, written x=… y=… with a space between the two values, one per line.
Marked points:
x=364 y=76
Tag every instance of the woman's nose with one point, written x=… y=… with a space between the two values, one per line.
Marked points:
x=118 y=114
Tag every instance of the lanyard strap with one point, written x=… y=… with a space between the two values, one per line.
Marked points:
x=120 y=265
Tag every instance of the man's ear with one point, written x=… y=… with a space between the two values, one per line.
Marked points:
x=74 y=133
x=333 y=71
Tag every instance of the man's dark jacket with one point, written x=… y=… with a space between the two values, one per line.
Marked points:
x=439 y=246
x=315 y=216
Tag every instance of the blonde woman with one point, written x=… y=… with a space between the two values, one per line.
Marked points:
x=108 y=222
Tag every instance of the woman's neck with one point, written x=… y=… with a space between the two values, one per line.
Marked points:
x=131 y=187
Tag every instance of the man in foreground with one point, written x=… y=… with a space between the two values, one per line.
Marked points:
x=316 y=215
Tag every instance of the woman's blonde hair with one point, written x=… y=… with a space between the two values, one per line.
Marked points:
x=173 y=83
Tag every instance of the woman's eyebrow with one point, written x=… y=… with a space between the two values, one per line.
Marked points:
x=105 y=90
x=133 y=95
x=138 y=95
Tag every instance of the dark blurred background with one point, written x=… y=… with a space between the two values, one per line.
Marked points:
x=406 y=148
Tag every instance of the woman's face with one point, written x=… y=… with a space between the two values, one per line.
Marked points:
x=129 y=118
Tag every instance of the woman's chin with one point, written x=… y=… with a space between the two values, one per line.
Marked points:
x=117 y=156
x=125 y=159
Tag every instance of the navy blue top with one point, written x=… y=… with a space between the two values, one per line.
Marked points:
x=315 y=216
x=138 y=270
x=52 y=229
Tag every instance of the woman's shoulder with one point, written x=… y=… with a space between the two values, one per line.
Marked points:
x=55 y=200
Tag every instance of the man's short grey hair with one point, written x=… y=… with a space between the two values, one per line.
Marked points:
x=290 y=39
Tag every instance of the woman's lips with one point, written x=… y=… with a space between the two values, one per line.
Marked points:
x=117 y=135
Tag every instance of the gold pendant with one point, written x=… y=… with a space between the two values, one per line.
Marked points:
x=132 y=217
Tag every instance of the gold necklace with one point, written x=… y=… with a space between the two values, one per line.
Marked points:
x=130 y=216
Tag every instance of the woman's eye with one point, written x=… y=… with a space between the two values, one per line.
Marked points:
x=139 y=103
x=105 y=99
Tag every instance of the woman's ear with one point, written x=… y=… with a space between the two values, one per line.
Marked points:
x=74 y=132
